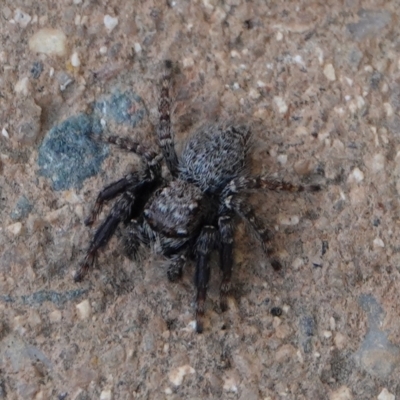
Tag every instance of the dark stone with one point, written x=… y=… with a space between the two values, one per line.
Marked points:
x=37 y=69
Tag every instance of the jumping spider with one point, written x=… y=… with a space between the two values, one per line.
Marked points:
x=192 y=213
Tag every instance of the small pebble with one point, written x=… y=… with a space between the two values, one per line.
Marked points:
x=285 y=353
x=49 y=41
x=75 y=61
x=289 y=220
x=103 y=50
x=106 y=395
x=254 y=94
x=55 y=316
x=332 y=323
x=22 y=86
x=281 y=104
x=110 y=22
x=378 y=163
x=298 y=59
x=137 y=47
x=327 y=334
x=188 y=62
x=340 y=340
x=360 y=102
x=236 y=86
x=230 y=384
x=21 y=18
x=378 y=242
x=261 y=84
x=329 y=72
x=28 y=131
x=15 y=229
x=343 y=393
x=297 y=263
x=386 y=395
x=388 y=109
x=6 y=13
x=64 y=80
x=282 y=331
x=282 y=159
x=84 y=309
x=5 y=133
x=356 y=176
x=176 y=376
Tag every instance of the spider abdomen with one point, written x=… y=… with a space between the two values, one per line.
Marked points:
x=214 y=155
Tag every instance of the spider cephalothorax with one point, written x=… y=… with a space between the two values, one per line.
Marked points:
x=192 y=213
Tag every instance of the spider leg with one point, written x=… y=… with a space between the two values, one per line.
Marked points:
x=225 y=224
x=204 y=246
x=164 y=131
x=263 y=182
x=133 y=238
x=146 y=152
x=175 y=266
x=128 y=206
x=109 y=192
x=245 y=210
x=121 y=211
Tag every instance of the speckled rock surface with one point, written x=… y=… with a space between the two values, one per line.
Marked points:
x=320 y=83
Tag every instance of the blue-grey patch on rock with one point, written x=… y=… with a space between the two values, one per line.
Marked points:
x=370 y=24
x=68 y=155
x=123 y=108
x=22 y=209
x=376 y=354
x=58 y=298
x=307 y=331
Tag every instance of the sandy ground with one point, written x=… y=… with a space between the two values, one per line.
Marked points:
x=319 y=81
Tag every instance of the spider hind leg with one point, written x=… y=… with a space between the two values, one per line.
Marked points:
x=204 y=246
x=226 y=227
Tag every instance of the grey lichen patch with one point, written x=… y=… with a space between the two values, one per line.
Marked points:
x=68 y=155
x=123 y=108
x=22 y=209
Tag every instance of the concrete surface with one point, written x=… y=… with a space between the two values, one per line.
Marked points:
x=320 y=81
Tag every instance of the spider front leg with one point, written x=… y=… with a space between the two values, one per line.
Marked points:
x=245 y=211
x=225 y=224
x=119 y=212
x=164 y=131
x=110 y=192
x=175 y=266
x=244 y=183
x=204 y=246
